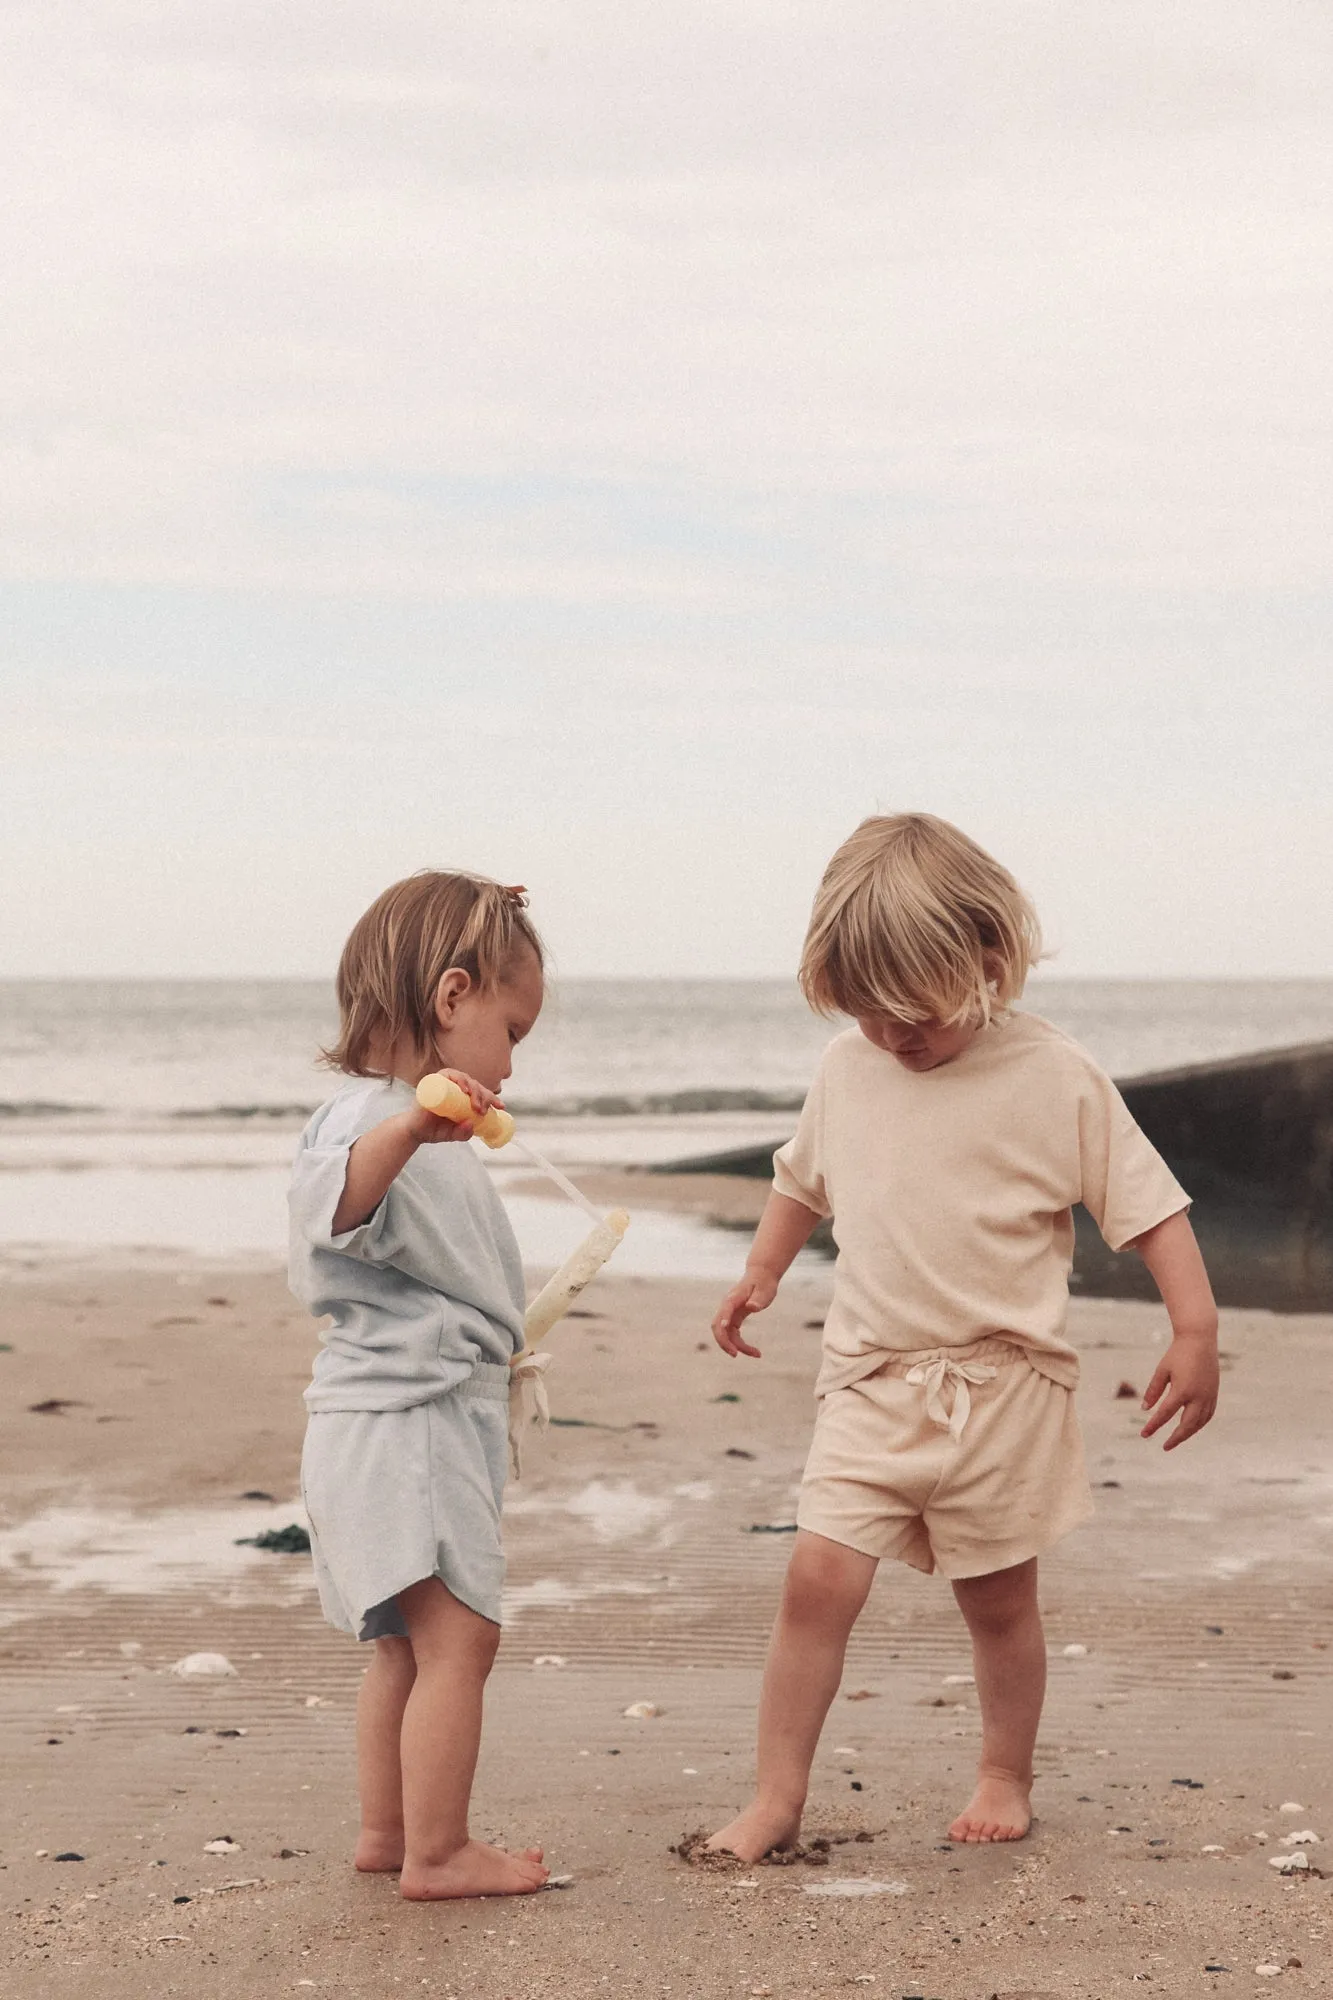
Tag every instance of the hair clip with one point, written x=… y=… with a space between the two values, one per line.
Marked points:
x=517 y=893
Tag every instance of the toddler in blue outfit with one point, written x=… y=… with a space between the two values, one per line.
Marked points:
x=403 y=1242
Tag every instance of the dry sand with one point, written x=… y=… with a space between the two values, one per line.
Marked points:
x=1201 y=1594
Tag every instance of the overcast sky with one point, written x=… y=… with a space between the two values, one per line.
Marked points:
x=617 y=447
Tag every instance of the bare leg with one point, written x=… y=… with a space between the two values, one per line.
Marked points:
x=1009 y=1657
x=379 y=1760
x=825 y=1589
x=441 y=1735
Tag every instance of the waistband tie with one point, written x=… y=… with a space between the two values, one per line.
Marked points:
x=528 y=1402
x=932 y=1377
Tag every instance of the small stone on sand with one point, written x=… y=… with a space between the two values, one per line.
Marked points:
x=203 y=1666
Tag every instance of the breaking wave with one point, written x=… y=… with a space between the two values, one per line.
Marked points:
x=627 y=1104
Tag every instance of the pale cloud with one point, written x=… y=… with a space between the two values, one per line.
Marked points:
x=725 y=418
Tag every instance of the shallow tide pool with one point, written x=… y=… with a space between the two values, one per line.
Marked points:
x=225 y=1212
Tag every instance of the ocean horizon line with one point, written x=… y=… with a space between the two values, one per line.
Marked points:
x=1038 y=977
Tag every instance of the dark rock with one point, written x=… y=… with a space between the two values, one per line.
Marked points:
x=1251 y=1138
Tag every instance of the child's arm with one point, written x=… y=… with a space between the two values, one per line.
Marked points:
x=1188 y=1369
x=379 y=1156
x=783 y=1227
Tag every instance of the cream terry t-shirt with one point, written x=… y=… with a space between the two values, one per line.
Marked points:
x=950 y=1191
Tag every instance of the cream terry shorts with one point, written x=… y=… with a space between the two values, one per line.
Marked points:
x=964 y=1459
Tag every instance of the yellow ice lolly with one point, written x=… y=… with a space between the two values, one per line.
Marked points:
x=447 y=1099
x=558 y=1294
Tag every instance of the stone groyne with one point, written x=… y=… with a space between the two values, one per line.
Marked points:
x=1251 y=1138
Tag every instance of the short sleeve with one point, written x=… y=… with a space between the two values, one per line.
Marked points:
x=318 y=1178
x=798 y=1167
x=1127 y=1187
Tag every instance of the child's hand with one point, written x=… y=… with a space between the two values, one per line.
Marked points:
x=1187 y=1375
x=429 y=1130
x=755 y=1291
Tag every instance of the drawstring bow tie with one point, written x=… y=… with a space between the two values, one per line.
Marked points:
x=932 y=1376
x=528 y=1402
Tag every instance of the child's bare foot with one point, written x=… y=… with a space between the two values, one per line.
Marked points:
x=756 y=1832
x=379 y=1853
x=1000 y=1809
x=476 y=1870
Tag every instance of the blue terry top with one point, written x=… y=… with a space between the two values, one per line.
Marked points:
x=429 y=1285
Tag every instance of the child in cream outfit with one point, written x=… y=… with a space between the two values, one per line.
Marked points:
x=948 y=1139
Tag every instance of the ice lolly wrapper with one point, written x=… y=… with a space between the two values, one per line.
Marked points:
x=447 y=1099
x=559 y=1292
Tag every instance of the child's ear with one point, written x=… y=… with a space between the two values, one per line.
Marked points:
x=454 y=987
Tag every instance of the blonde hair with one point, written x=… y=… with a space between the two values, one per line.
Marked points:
x=407 y=940
x=915 y=921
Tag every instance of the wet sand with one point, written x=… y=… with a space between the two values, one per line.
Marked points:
x=1201 y=1593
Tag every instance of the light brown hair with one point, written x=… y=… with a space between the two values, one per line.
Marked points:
x=915 y=921
x=407 y=940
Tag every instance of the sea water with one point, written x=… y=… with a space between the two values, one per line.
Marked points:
x=164 y=1113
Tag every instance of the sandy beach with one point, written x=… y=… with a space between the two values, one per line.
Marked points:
x=1187 y=1717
